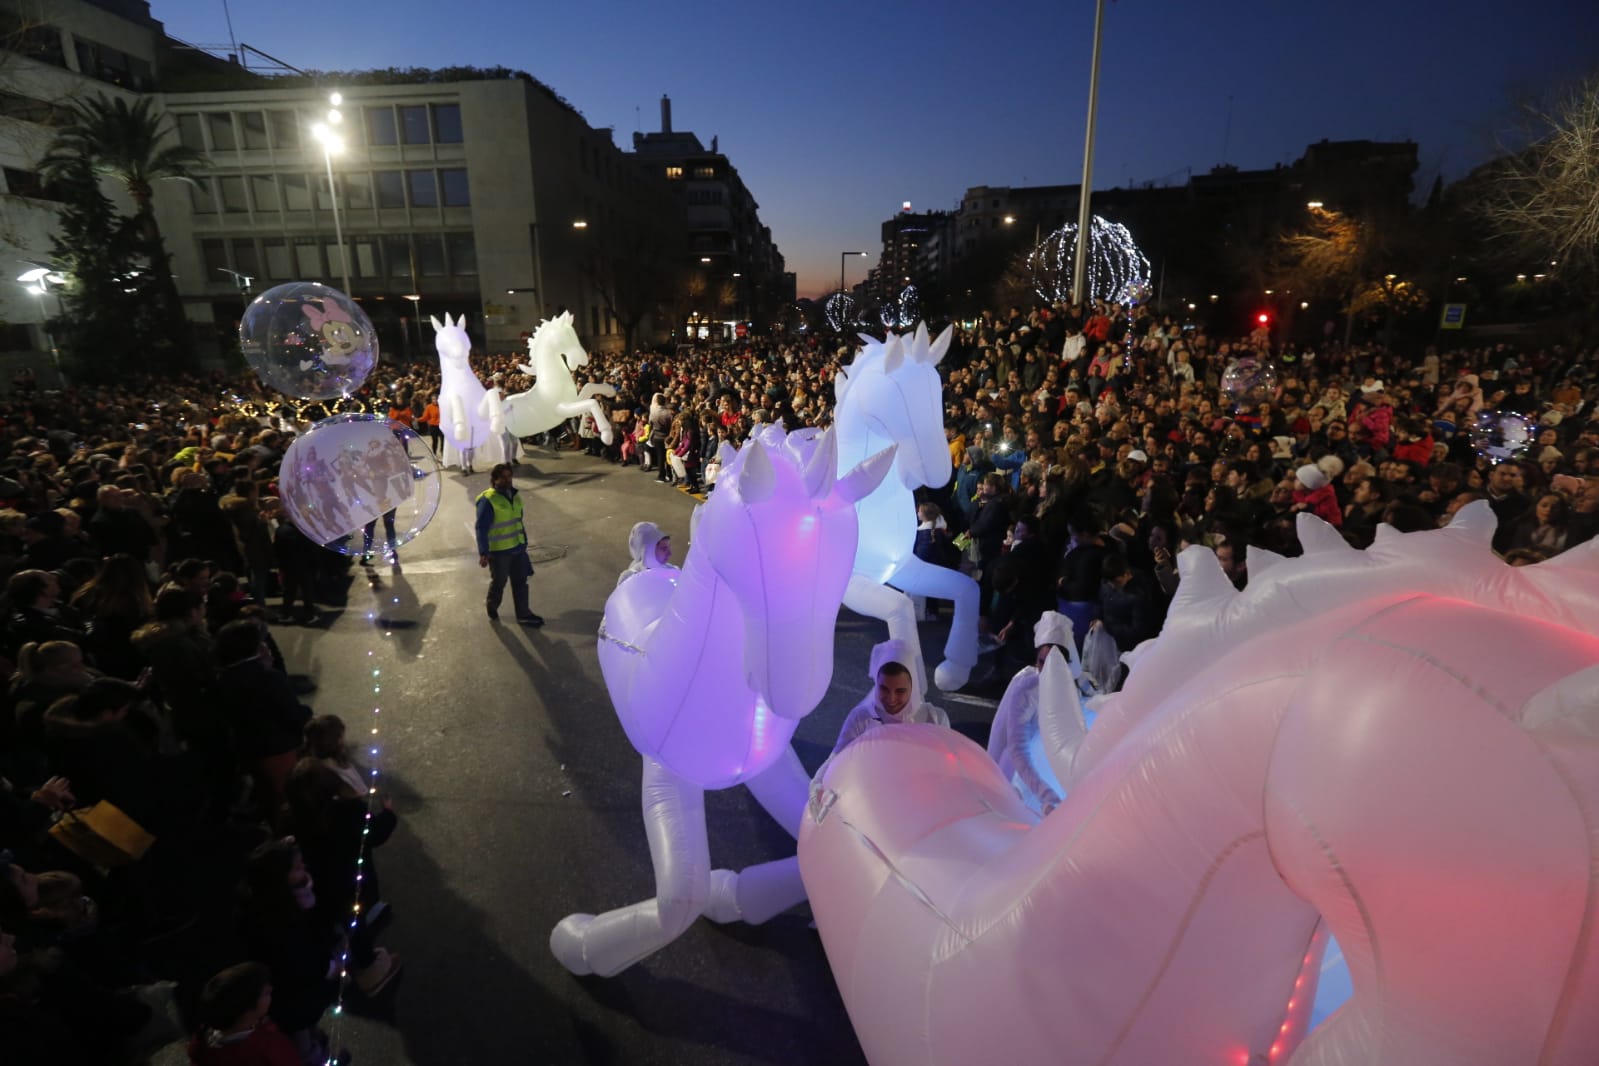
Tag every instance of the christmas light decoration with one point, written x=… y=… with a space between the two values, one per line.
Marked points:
x=840 y=312
x=1116 y=266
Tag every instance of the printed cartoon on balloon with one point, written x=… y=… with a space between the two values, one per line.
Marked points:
x=891 y=395
x=339 y=336
x=710 y=670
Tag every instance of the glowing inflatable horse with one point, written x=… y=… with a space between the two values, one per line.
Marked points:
x=891 y=394
x=1398 y=742
x=710 y=669
x=460 y=394
x=553 y=351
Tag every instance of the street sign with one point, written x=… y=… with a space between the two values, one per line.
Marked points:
x=1454 y=316
x=741 y=330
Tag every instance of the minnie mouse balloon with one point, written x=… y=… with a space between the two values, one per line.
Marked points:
x=308 y=341
x=352 y=470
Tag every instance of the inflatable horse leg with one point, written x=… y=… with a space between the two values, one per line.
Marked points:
x=890 y=605
x=589 y=406
x=596 y=388
x=759 y=893
x=674 y=820
x=940 y=582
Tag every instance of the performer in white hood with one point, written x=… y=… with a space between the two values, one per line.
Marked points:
x=1019 y=719
x=896 y=697
x=651 y=549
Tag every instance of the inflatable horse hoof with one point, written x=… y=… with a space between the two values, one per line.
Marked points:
x=567 y=940
x=951 y=676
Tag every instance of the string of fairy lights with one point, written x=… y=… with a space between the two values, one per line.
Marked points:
x=373 y=751
x=1117 y=267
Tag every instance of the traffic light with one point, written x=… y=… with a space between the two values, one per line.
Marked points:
x=1263 y=319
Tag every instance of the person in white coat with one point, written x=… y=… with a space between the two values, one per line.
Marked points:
x=1017 y=724
x=651 y=549
x=895 y=698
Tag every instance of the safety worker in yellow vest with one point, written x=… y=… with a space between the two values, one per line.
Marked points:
x=502 y=545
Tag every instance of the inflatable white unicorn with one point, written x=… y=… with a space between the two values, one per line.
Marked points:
x=465 y=428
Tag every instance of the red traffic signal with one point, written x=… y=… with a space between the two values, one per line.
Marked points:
x=1263 y=318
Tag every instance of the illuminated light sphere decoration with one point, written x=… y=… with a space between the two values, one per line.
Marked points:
x=1243 y=376
x=1499 y=435
x=840 y=310
x=1117 y=269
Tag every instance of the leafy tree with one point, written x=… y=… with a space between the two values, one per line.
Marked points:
x=129 y=143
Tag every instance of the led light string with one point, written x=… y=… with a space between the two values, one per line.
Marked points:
x=1117 y=268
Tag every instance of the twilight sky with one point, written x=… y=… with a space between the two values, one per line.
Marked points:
x=836 y=112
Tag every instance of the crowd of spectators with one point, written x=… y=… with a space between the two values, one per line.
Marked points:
x=146 y=560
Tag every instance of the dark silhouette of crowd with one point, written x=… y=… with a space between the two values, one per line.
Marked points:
x=156 y=755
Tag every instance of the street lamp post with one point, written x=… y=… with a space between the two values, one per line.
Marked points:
x=1080 y=261
x=416 y=318
x=41 y=279
x=842 y=256
x=333 y=144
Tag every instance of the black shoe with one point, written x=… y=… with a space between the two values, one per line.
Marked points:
x=530 y=620
x=494 y=616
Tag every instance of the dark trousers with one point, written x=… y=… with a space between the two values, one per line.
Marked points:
x=515 y=567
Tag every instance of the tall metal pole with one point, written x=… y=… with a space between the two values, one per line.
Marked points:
x=841 y=256
x=338 y=228
x=1084 y=235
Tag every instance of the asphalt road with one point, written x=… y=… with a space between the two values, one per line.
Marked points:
x=518 y=797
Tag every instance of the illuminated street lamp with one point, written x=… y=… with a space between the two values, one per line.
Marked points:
x=41 y=279
x=332 y=145
x=842 y=256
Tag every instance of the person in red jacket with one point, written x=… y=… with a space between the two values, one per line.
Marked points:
x=1314 y=493
x=1413 y=441
x=235 y=1029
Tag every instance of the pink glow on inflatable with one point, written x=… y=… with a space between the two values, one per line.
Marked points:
x=1395 y=746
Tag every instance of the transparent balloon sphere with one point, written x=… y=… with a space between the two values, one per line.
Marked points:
x=1499 y=435
x=1243 y=376
x=308 y=341
x=356 y=483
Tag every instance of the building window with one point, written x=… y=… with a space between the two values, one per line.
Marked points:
x=397 y=256
x=358 y=192
x=27 y=183
x=231 y=189
x=430 y=255
x=42 y=43
x=674 y=173
x=296 y=193
x=366 y=257
x=380 y=128
x=214 y=254
x=390 y=188
x=335 y=259
x=276 y=252
x=324 y=193
x=414 y=124
x=253 y=125
x=221 y=125
x=424 y=188
x=307 y=258
x=264 y=193
x=705 y=173
x=462 y=250
x=456 y=191
x=447 y=124
x=285 y=129
x=111 y=65
x=190 y=134
x=203 y=197
x=245 y=261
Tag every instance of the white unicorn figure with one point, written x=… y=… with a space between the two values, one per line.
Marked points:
x=710 y=669
x=460 y=394
x=891 y=394
x=553 y=352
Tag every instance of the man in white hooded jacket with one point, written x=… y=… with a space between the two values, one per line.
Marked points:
x=895 y=699
x=651 y=549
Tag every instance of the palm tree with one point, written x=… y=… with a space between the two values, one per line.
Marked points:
x=129 y=142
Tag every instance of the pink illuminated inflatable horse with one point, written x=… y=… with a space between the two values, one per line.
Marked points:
x=1399 y=746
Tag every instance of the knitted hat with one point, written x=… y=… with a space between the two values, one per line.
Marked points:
x=1330 y=465
x=1311 y=477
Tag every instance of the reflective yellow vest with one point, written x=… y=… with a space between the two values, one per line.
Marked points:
x=506 y=532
